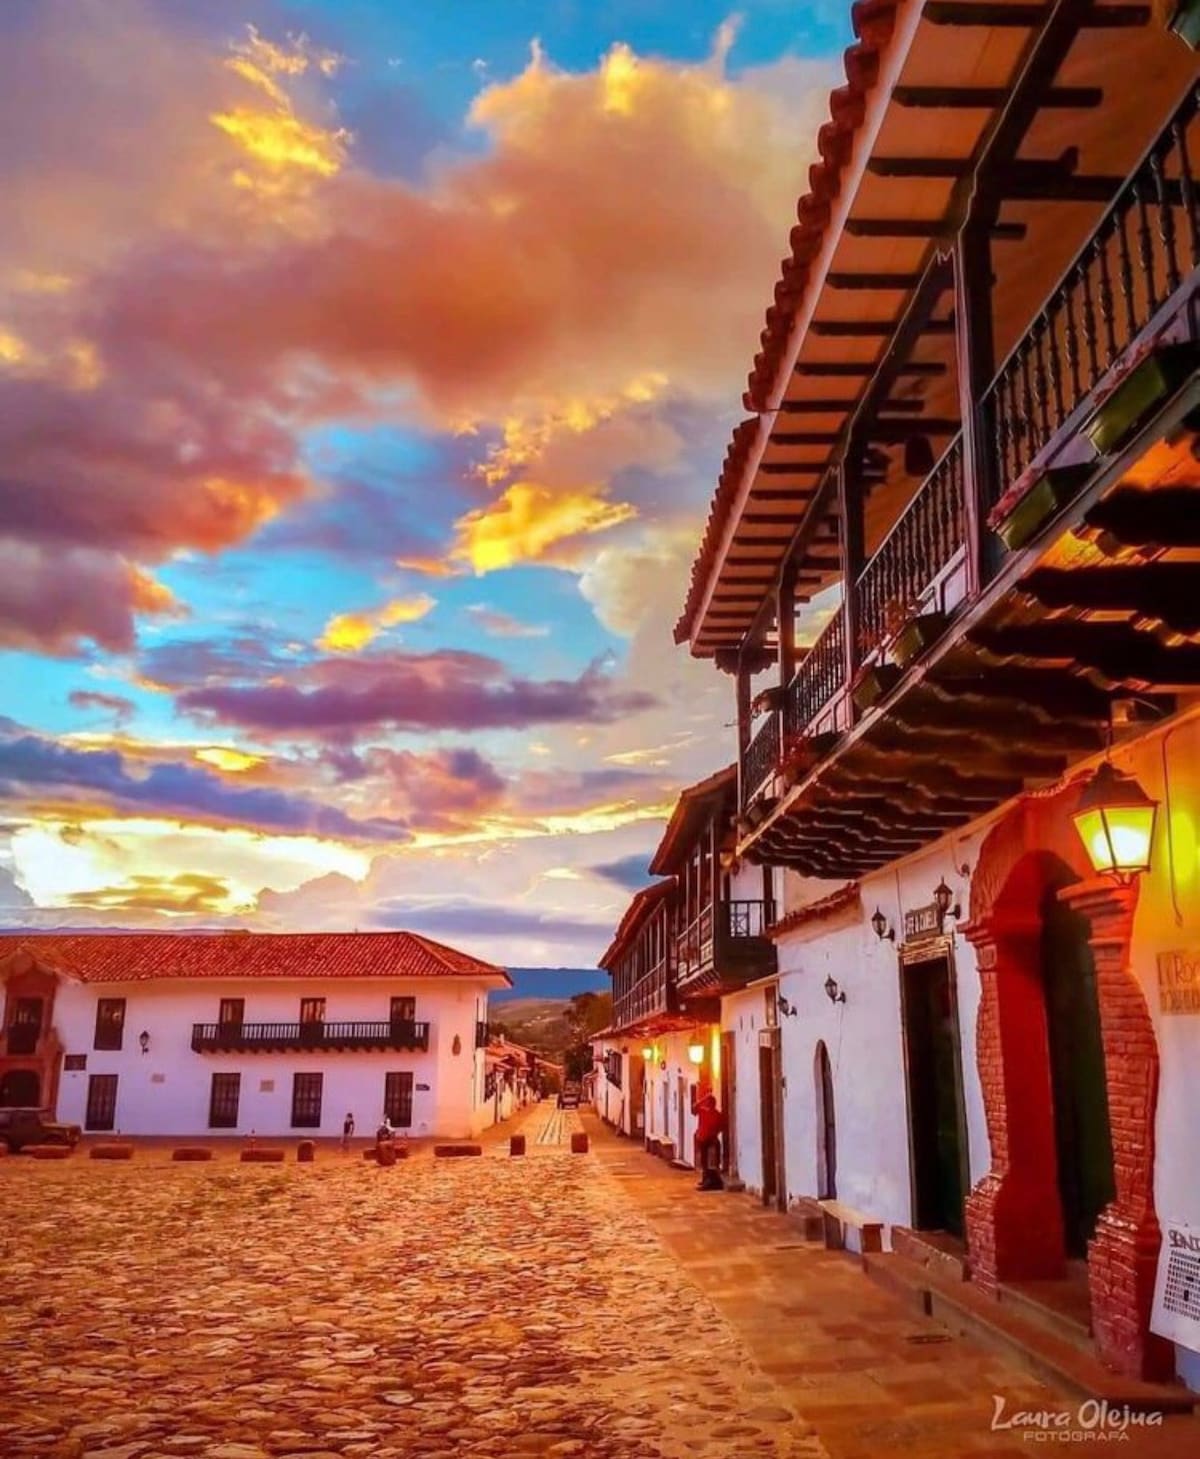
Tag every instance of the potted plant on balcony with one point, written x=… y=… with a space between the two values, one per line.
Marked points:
x=1032 y=500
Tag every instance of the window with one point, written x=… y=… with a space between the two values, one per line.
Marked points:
x=110 y=1023
x=312 y=1010
x=233 y=1012
x=404 y=1010
x=73 y=1063
x=397 y=1099
x=101 y=1102
x=25 y=1026
x=223 y=1101
x=306 y=1101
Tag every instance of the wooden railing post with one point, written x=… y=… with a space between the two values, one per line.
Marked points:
x=976 y=365
x=853 y=552
x=742 y=680
x=785 y=620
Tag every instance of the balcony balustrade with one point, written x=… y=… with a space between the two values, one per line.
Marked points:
x=267 y=1038
x=1131 y=279
x=725 y=935
x=651 y=995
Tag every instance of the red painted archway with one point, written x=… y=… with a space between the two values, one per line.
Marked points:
x=1014 y=1215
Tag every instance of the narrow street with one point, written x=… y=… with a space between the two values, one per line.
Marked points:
x=553 y=1305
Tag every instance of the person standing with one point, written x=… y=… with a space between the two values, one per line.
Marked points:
x=347 y=1131
x=710 y=1125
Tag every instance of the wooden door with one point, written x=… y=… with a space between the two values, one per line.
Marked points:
x=933 y=1060
x=729 y=1102
x=769 y=1125
x=826 y=1125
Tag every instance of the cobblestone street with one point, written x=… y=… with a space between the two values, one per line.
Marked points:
x=553 y=1305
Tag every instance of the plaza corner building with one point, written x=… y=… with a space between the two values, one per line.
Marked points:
x=242 y=1032
x=952 y=572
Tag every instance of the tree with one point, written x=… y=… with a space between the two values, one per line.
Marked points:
x=586 y=1014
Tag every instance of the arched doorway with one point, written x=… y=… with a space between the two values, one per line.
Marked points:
x=826 y=1125
x=20 y=1089
x=1082 y=1133
x=1063 y=1036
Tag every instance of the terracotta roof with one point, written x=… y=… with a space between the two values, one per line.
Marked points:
x=635 y=915
x=872 y=21
x=694 y=805
x=137 y=957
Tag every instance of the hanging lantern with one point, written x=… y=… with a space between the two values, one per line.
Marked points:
x=648 y=1052
x=696 y=1053
x=1115 y=821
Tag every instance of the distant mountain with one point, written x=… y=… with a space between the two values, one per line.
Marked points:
x=557 y=984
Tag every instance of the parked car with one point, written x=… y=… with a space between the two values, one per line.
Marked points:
x=22 y=1127
x=570 y=1096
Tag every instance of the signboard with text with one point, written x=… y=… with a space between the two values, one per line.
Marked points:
x=1179 y=981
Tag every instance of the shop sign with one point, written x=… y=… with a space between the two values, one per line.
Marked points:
x=1175 y=1313
x=1179 y=981
x=922 y=923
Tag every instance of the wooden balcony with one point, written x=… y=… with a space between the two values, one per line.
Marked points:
x=971 y=624
x=275 y=1038
x=725 y=947
x=651 y=1003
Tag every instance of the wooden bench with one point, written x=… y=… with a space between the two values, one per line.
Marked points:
x=839 y=1216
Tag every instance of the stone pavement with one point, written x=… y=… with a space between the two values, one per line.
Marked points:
x=867 y=1371
x=441 y=1308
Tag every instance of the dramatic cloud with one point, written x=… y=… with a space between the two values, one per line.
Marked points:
x=187 y=892
x=528 y=523
x=450 y=689
x=352 y=632
x=36 y=772
x=630 y=872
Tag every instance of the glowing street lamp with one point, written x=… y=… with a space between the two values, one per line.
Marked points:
x=1115 y=821
x=648 y=1052
x=696 y=1053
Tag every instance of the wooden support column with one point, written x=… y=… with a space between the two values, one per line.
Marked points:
x=853 y=551
x=742 y=681
x=785 y=621
x=976 y=367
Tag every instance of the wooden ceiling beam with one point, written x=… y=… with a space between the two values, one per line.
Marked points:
x=1116 y=653
x=853 y=369
x=873 y=282
x=990 y=98
x=948 y=169
x=894 y=431
x=791 y=468
x=1132 y=517
x=1162 y=592
x=995 y=16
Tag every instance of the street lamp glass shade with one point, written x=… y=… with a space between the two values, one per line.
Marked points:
x=696 y=1053
x=1115 y=822
x=648 y=1052
x=144 y=1041
x=879 y=923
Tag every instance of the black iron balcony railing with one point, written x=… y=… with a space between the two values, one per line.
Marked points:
x=761 y=758
x=1138 y=255
x=483 y=1033
x=924 y=539
x=265 y=1038
x=818 y=678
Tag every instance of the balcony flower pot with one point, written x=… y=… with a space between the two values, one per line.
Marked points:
x=1017 y=518
x=1143 y=388
x=917 y=635
x=873 y=684
x=1185 y=23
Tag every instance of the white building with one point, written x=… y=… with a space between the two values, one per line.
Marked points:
x=233 y=1033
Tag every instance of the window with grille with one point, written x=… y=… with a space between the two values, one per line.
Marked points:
x=404 y=1010
x=223 y=1101
x=306 y=1101
x=397 y=1099
x=101 y=1102
x=312 y=1010
x=232 y=1013
x=110 y=1023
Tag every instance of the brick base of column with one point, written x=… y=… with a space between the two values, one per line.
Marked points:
x=1122 y=1261
x=1014 y=1232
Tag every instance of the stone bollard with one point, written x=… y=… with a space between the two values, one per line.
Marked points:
x=49 y=1152
x=191 y=1152
x=516 y=1144
x=450 y=1152
x=262 y=1155
x=306 y=1152
x=112 y=1151
x=386 y=1155
x=371 y=1153
x=579 y=1144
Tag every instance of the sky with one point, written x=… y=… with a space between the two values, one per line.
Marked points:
x=366 y=368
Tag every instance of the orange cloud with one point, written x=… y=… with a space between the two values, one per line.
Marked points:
x=528 y=523
x=351 y=632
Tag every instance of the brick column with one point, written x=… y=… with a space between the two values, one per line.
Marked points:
x=1014 y=1215
x=1123 y=1254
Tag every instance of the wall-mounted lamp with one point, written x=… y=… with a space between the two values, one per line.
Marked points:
x=144 y=1041
x=648 y=1053
x=696 y=1053
x=880 y=923
x=1115 y=821
x=832 y=991
x=945 y=902
x=788 y=1010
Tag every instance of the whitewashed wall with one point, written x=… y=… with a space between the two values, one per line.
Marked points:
x=166 y=1091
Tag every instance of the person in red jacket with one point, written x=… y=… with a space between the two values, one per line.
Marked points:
x=710 y=1125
